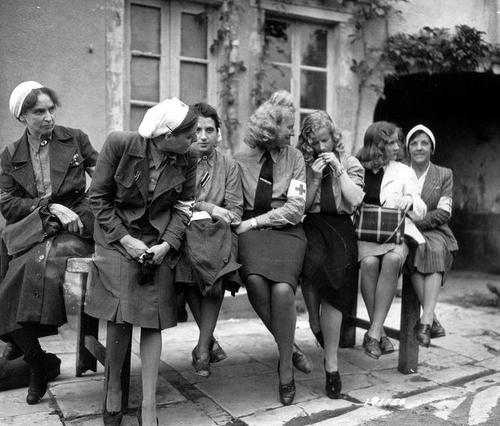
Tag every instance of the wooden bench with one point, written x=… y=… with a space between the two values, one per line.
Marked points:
x=408 y=345
x=88 y=348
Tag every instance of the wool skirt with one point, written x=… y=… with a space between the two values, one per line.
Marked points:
x=276 y=254
x=331 y=259
x=117 y=291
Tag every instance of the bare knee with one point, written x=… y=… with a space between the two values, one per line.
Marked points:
x=392 y=261
x=370 y=265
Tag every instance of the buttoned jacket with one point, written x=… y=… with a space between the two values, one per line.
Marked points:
x=119 y=191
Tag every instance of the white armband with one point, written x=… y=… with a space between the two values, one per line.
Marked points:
x=445 y=204
x=297 y=189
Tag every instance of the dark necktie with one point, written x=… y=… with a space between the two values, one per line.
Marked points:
x=327 y=202
x=264 y=191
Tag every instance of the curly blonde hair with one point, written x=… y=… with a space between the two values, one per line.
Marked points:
x=264 y=124
x=313 y=122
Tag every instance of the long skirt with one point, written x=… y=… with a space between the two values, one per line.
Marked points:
x=276 y=254
x=331 y=263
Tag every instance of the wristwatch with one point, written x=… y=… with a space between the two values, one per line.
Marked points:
x=253 y=223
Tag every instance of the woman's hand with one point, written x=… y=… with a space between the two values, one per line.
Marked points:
x=224 y=214
x=133 y=246
x=405 y=202
x=159 y=252
x=317 y=167
x=244 y=226
x=68 y=218
x=331 y=159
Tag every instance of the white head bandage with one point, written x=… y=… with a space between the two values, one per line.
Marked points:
x=163 y=119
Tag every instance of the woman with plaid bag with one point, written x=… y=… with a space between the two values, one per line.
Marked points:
x=388 y=183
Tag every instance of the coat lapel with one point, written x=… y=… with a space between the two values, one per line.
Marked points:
x=430 y=184
x=22 y=168
x=63 y=150
x=171 y=177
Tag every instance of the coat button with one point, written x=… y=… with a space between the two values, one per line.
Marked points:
x=225 y=260
x=41 y=257
x=36 y=295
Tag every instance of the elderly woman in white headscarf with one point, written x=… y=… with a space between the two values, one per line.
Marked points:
x=430 y=262
x=48 y=219
x=142 y=195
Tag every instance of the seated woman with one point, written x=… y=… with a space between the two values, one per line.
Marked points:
x=142 y=195
x=330 y=271
x=430 y=262
x=206 y=270
x=391 y=184
x=271 y=239
x=48 y=219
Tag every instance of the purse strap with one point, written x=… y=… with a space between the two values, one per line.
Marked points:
x=397 y=227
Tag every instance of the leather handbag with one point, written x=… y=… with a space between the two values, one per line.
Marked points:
x=380 y=224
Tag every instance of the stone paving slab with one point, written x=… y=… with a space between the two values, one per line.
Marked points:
x=454 y=373
x=13 y=403
x=356 y=417
x=275 y=417
x=39 y=419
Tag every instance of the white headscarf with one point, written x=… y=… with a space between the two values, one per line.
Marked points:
x=19 y=94
x=421 y=128
x=163 y=119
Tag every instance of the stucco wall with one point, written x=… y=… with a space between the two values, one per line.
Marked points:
x=61 y=44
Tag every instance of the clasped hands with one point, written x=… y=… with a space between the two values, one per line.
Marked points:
x=324 y=159
x=137 y=248
x=70 y=221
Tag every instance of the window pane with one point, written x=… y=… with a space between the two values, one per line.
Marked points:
x=136 y=115
x=276 y=78
x=313 y=46
x=194 y=35
x=313 y=90
x=277 y=41
x=193 y=82
x=145 y=28
x=144 y=73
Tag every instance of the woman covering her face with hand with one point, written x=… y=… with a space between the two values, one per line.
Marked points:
x=330 y=272
x=430 y=262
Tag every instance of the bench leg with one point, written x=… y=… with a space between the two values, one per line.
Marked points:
x=410 y=313
x=86 y=326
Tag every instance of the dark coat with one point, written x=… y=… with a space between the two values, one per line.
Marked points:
x=26 y=292
x=119 y=199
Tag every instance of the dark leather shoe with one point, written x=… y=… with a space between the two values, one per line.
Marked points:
x=201 y=367
x=437 y=330
x=371 y=346
x=287 y=392
x=38 y=378
x=300 y=360
x=333 y=385
x=216 y=353
x=386 y=346
x=11 y=351
x=112 y=418
x=423 y=334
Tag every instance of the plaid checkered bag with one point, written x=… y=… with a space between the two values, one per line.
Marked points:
x=380 y=224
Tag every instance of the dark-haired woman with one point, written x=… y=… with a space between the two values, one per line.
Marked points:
x=330 y=272
x=208 y=265
x=142 y=195
x=430 y=262
x=388 y=183
x=271 y=239
x=48 y=219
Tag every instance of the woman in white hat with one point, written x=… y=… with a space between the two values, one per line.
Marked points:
x=142 y=195
x=430 y=262
x=48 y=219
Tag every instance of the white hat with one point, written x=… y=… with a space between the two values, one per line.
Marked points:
x=19 y=95
x=163 y=119
x=421 y=128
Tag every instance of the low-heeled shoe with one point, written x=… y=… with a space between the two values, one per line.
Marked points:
x=112 y=418
x=201 y=367
x=423 y=334
x=300 y=360
x=386 y=346
x=287 y=392
x=43 y=368
x=371 y=346
x=216 y=352
x=333 y=385
x=437 y=330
